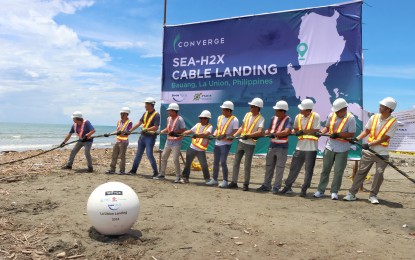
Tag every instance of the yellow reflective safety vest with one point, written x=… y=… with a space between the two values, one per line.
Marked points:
x=147 y=119
x=201 y=143
x=308 y=126
x=373 y=136
x=121 y=127
x=339 y=127
x=222 y=129
x=249 y=128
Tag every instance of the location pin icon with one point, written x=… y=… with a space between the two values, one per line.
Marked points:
x=302 y=49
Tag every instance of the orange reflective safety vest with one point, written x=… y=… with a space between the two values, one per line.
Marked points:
x=376 y=136
x=221 y=129
x=121 y=127
x=249 y=128
x=274 y=129
x=339 y=127
x=171 y=124
x=81 y=131
x=201 y=143
x=308 y=126
x=148 y=119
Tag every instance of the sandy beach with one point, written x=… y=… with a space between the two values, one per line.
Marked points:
x=43 y=215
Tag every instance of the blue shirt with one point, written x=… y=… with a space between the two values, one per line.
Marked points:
x=287 y=124
x=87 y=128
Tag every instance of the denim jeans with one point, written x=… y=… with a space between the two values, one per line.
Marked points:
x=220 y=155
x=145 y=143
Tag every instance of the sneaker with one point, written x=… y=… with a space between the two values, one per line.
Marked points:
x=233 y=185
x=110 y=172
x=373 y=200
x=285 y=190
x=303 y=193
x=159 y=177
x=224 y=184
x=350 y=197
x=121 y=173
x=275 y=190
x=67 y=167
x=263 y=188
x=184 y=180
x=290 y=191
x=245 y=187
x=334 y=196
x=212 y=182
x=90 y=169
x=177 y=180
x=133 y=172
x=154 y=175
x=318 y=194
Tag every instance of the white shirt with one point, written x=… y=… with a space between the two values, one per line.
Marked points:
x=201 y=130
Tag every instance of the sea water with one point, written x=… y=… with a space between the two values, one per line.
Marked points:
x=26 y=136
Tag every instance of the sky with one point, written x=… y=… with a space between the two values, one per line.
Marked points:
x=59 y=56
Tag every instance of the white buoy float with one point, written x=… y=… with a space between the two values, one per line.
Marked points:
x=112 y=208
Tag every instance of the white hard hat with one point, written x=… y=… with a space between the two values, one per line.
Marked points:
x=77 y=114
x=228 y=105
x=125 y=110
x=257 y=102
x=205 y=113
x=306 y=104
x=389 y=102
x=150 y=100
x=173 y=106
x=339 y=104
x=281 y=105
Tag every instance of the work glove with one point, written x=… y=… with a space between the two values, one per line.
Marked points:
x=84 y=139
x=119 y=132
x=272 y=135
x=245 y=137
x=353 y=140
x=126 y=133
x=156 y=133
x=173 y=134
x=106 y=135
x=334 y=135
x=195 y=136
x=144 y=131
x=231 y=137
x=210 y=137
x=62 y=144
x=299 y=133
x=317 y=134
x=365 y=146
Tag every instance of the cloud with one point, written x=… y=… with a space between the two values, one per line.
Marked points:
x=397 y=72
x=123 y=44
x=49 y=69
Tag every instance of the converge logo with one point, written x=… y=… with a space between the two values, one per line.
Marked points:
x=178 y=43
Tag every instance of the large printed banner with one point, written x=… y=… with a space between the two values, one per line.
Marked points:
x=404 y=138
x=310 y=53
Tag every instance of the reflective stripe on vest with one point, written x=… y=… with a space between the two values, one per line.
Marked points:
x=121 y=127
x=81 y=132
x=248 y=129
x=201 y=143
x=147 y=121
x=279 y=140
x=339 y=127
x=373 y=136
x=221 y=130
x=308 y=126
x=171 y=126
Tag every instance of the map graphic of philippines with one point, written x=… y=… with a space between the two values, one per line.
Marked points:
x=316 y=50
